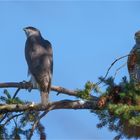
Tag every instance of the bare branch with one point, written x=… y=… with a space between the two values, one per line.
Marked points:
x=63 y=104
x=117 y=70
x=27 y=85
x=111 y=67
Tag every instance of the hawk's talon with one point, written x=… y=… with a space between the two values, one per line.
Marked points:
x=26 y=85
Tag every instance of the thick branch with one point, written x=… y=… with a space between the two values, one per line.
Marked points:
x=64 y=104
x=27 y=85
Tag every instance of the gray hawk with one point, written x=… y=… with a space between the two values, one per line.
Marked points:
x=39 y=57
x=133 y=62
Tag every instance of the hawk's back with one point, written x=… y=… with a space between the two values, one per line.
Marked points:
x=38 y=53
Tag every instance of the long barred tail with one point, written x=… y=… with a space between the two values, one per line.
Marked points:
x=45 y=86
x=44 y=97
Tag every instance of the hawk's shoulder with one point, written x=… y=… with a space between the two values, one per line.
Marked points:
x=47 y=45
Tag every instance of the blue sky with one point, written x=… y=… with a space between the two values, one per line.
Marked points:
x=86 y=37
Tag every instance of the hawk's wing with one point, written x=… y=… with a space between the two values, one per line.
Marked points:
x=39 y=57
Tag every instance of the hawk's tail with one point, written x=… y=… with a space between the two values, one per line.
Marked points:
x=44 y=98
x=44 y=90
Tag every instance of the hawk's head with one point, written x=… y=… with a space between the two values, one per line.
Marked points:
x=29 y=31
x=137 y=36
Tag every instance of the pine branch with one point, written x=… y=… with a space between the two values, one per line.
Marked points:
x=9 y=119
x=36 y=123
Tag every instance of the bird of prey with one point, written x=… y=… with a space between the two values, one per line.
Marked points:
x=133 y=62
x=39 y=57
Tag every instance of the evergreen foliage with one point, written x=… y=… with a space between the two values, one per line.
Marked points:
x=21 y=122
x=119 y=108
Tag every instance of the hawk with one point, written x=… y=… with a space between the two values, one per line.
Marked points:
x=133 y=62
x=39 y=57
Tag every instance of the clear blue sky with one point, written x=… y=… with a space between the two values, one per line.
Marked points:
x=86 y=37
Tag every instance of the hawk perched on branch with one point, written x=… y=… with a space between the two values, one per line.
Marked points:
x=39 y=57
x=133 y=62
